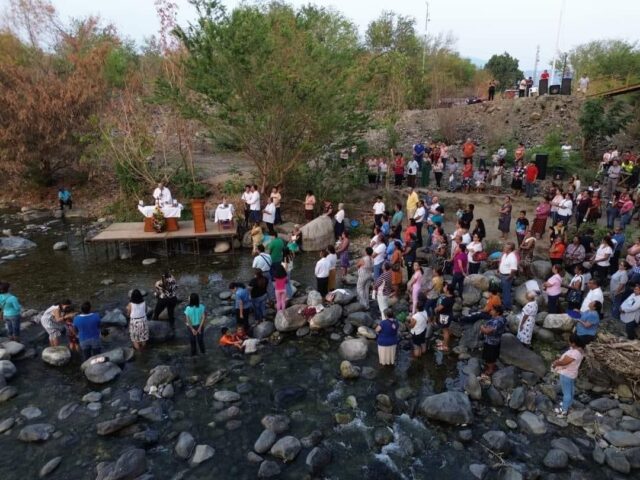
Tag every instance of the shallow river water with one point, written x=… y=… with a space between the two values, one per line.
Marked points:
x=420 y=449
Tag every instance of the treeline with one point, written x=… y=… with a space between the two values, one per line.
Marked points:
x=285 y=86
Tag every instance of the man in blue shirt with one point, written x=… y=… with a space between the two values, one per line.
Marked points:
x=418 y=154
x=64 y=197
x=87 y=325
x=618 y=239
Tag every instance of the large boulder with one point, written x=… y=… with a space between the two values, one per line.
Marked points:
x=476 y=280
x=185 y=445
x=14 y=244
x=160 y=331
x=7 y=369
x=289 y=320
x=360 y=319
x=263 y=330
x=114 y=318
x=512 y=352
x=354 y=349
x=520 y=294
x=471 y=296
x=56 y=356
x=532 y=424
x=344 y=298
x=559 y=322
x=13 y=348
x=119 y=356
x=317 y=234
x=222 y=246
x=37 y=432
x=130 y=465
x=102 y=372
x=326 y=318
x=448 y=407
x=314 y=298
x=541 y=269
x=160 y=375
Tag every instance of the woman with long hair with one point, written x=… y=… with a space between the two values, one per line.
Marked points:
x=138 y=326
x=194 y=320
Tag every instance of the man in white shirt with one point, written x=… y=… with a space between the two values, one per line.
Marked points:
x=254 y=205
x=502 y=152
x=224 y=213
x=566 y=151
x=419 y=320
x=246 y=200
x=594 y=293
x=508 y=269
x=262 y=261
x=379 y=255
x=378 y=211
x=412 y=172
x=630 y=313
x=583 y=84
x=420 y=217
x=162 y=196
x=323 y=267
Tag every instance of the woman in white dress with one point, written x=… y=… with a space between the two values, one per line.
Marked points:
x=528 y=319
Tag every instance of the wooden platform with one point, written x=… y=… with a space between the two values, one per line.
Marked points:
x=133 y=232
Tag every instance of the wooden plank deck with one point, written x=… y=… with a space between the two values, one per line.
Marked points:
x=134 y=232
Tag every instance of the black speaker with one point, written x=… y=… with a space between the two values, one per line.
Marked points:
x=541 y=162
x=543 y=86
x=565 y=89
x=554 y=90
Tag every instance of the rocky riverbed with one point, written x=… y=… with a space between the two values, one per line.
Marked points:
x=311 y=403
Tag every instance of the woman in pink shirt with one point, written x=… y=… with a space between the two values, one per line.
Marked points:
x=280 y=283
x=567 y=366
x=553 y=288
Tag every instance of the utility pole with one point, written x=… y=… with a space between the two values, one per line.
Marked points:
x=424 y=47
x=555 y=53
x=535 y=65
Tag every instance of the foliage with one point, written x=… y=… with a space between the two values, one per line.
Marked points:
x=123 y=210
x=232 y=188
x=279 y=82
x=615 y=59
x=598 y=122
x=187 y=185
x=447 y=125
x=505 y=69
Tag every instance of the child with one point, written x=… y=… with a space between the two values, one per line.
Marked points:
x=228 y=341
x=567 y=367
x=522 y=224
x=280 y=282
x=492 y=331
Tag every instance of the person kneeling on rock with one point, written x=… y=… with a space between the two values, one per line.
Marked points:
x=492 y=331
x=229 y=342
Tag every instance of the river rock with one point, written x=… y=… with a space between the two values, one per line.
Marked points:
x=314 y=298
x=149 y=261
x=353 y=349
x=349 y=371
x=13 y=348
x=449 y=407
x=326 y=318
x=345 y=298
x=37 y=432
x=7 y=369
x=160 y=375
x=226 y=396
x=102 y=372
x=265 y=441
x=263 y=330
x=516 y=401
x=512 y=352
x=471 y=295
x=556 y=459
x=478 y=470
x=360 y=319
x=621 y=439
x=159 y=331
x=276 y=423
x=353 y=308
x=31 y=413
x=559 y=322
x=118 y=355
x=317 y=234
x=497 y=441
x=617 y=460
x=14 y=244
x=49 y=467
x=227 y=414
x=286 y=449
x=520 y=294
x=4 y=355
x=289 y=320
x=112 y=426
x=185 y=445
x=568 y=447
x=317 y=459
x=67 y=410
x=288 y=395
x=532 y=424
x=129 y=466
x=216 y=377
x=603 y=404
x=541 y=269
x=60 y=246
x=56 y=356
x=633 y=457
x=478 y=281
x=152 y=413
x=472 y=387
x=366 y=332
x=268 y=469
x=92 y=397
x=222 y=246
x=114 y=317
x=505 y=379
x=201 y=454
x=7 y=424
x=7 y=393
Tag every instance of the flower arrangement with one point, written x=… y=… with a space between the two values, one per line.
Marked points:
x=159 y=222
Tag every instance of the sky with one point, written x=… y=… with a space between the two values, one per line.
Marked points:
x=481 y=28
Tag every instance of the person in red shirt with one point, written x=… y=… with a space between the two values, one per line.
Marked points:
x=544 y=75
x=468 y=149
x=398 y=169
x=530 y=177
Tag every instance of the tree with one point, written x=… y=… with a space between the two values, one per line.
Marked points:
x=607 y=58
x=505 y=70
x=597 y=122
x=278 y=83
